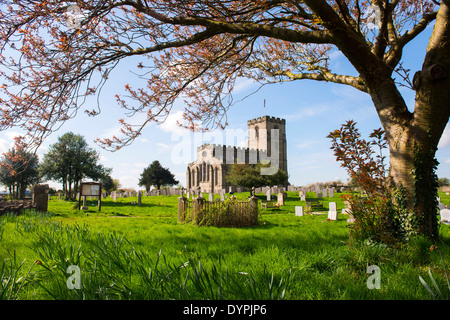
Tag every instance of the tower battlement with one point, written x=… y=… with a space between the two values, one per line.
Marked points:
x=266 y=118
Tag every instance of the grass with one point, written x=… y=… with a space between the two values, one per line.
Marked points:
x=131 y=252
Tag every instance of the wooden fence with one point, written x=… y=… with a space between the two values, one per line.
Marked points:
x=228 y=213
x=15 y=206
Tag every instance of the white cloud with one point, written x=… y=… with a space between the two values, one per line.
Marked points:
x=243 y=84
x=162 y=147
x=307 y=112
x=139 y=165
x=306 y=144
x=445 y=139
x=171 y=123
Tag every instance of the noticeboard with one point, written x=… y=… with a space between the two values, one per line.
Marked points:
x=91 y=189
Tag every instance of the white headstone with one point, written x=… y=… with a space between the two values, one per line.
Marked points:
x=268 y=194
x=302 y=197
x=445 y=215
x=331 y=193
x=324 y=193
x=298 y=211
x=332 y=213
x=222 y=196
x=280 y=198
x=210 y=197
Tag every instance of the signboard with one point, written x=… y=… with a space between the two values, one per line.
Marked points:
x=90 y=189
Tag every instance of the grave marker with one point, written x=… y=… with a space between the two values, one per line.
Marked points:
x=298 y=211
x=332 y=213
x=445 y=216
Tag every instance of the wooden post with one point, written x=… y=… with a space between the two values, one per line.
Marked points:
x=182 y=206
x=197 y=207
x=255 y=212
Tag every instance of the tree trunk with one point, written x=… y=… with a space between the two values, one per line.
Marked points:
x=413 y=137
x=412 y=165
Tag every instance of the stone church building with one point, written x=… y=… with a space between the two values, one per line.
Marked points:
x=266 y=142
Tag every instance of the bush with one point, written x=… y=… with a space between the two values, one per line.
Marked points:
x=380 y=210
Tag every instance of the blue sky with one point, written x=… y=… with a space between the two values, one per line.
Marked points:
x=311 y=109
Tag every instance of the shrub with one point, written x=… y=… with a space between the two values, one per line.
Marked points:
x=379 y=209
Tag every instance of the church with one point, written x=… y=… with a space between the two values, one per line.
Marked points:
x=266 y=142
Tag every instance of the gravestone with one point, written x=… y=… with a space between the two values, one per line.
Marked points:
x=114 y=195
x=139 y=198
x=298 y=211
x=222 y=196
x=268 y=194
x=351 y=219
x=303 y=197
x=40 y=197
x=324 y=193
x=331 y=193
x=445 y=216
x=280 y=198
x=332 y=212
x=210 y=197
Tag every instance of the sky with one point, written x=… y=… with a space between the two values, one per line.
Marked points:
x=311 y=109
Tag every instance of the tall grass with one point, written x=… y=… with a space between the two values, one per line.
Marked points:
x=112 y=268
x=130 y=252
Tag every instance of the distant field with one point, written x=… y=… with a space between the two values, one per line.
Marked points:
x=131 y=252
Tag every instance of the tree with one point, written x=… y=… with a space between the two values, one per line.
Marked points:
x=109 y=184
x=156 y=175
x=443 y=182
x=69 y=161
x=196 y=50
x=18 y=170
x=249 y=175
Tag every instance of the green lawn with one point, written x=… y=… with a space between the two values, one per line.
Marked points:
x=131 y=252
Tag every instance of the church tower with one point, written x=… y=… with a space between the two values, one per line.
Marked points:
x=260 y=137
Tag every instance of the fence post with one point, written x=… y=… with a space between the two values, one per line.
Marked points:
x=254 y=205
x=197 y=206
x=181 y=208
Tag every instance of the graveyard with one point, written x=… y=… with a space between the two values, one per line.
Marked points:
x=136 y=248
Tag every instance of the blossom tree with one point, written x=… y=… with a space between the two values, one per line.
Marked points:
x=53 y=58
